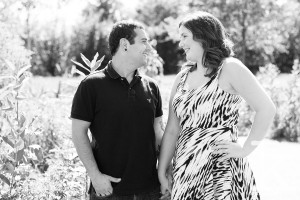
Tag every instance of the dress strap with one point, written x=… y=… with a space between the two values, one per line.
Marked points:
x=183 y=78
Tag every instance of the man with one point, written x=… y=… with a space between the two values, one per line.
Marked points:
x=123 y=111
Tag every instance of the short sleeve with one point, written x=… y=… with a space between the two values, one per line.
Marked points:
x=83 y=105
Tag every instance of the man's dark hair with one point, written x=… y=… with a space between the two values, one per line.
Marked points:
x=122 y=29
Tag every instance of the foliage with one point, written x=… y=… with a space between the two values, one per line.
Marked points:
x=49 y=167
x=16 y=129
x=155 y=14
x=92 y=32
x=154 y=67
x=11 y=48
x=92 y=65
x=64 y=179
x=286 y=97
x=288 y=103
x=262 y=30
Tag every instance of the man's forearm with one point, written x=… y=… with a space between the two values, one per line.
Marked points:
x=159 y=130
x=85 y=153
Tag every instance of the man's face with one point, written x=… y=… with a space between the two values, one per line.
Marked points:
x=140 y=50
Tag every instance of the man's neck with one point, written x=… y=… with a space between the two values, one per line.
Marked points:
x=123 y=68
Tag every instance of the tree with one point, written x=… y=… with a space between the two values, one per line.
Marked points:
x=154 y=14
x=91 y=34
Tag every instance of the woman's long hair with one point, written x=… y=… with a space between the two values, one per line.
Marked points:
x=210 y=32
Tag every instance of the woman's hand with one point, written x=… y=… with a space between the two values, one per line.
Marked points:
x=229 y=150
x=165 y=187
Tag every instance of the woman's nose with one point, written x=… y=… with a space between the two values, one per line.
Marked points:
x=149 y=48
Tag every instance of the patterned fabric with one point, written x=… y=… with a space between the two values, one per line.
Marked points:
x=208 y=115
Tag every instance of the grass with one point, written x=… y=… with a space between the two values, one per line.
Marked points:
x=275 y=164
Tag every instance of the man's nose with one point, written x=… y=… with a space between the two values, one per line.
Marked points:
x=180 y=44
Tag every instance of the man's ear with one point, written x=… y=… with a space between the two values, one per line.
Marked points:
x=124 y=44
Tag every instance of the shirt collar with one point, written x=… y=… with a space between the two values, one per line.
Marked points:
x=114 y=75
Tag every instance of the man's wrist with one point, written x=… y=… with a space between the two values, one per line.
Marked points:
x=93 y=173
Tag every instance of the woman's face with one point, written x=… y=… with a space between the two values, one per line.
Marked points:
x=193 y=49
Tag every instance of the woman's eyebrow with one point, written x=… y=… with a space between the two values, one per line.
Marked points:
x=145 y=39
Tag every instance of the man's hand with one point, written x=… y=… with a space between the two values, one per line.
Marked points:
x=102 y=184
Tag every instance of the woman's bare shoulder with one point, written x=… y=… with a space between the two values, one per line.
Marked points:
x=232 y=64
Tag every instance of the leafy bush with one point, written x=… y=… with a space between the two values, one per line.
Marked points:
x=287 y=100
x=16 y=129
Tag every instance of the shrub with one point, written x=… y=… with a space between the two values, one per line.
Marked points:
x=286 y=97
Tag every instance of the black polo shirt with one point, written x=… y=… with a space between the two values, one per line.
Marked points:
x=122 y=118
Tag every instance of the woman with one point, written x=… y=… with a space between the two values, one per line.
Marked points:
x=203 y=113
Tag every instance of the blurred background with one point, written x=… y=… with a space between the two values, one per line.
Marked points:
x=44 y=44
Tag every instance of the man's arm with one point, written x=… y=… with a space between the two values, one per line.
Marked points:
x=101 y=182
x=159 y=130
x=83 y=146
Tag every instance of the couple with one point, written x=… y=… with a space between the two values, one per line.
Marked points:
x=123 y=111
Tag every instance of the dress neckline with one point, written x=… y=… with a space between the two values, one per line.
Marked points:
x=184 y=78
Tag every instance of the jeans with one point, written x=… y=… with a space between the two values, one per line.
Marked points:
x=152 y=195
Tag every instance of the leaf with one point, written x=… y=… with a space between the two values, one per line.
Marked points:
x=80 y=72
x=39 y=154
x=4 y=179
x=7 y=109
x=10 y=64
x=4 y=77
x=22 y=134
x=20 y=145
x=3 y=94
x=94 y=60
x=23 y=70
x=8 y=141
x=58 y=67
x=20 y=97
x=80 y=65
x=21 y=120
x=35 y=146
x=10 y=103
x=10 y=158
x=17 y=87
x=85 y=60
x=20 y=155
x=9 y=167
x=98 y=63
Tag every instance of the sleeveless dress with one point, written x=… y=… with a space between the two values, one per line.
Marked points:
x=207 y=115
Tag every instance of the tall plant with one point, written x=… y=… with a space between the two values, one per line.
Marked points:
x=15 y=129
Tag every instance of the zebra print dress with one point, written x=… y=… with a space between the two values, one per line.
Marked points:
x=207 y=115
